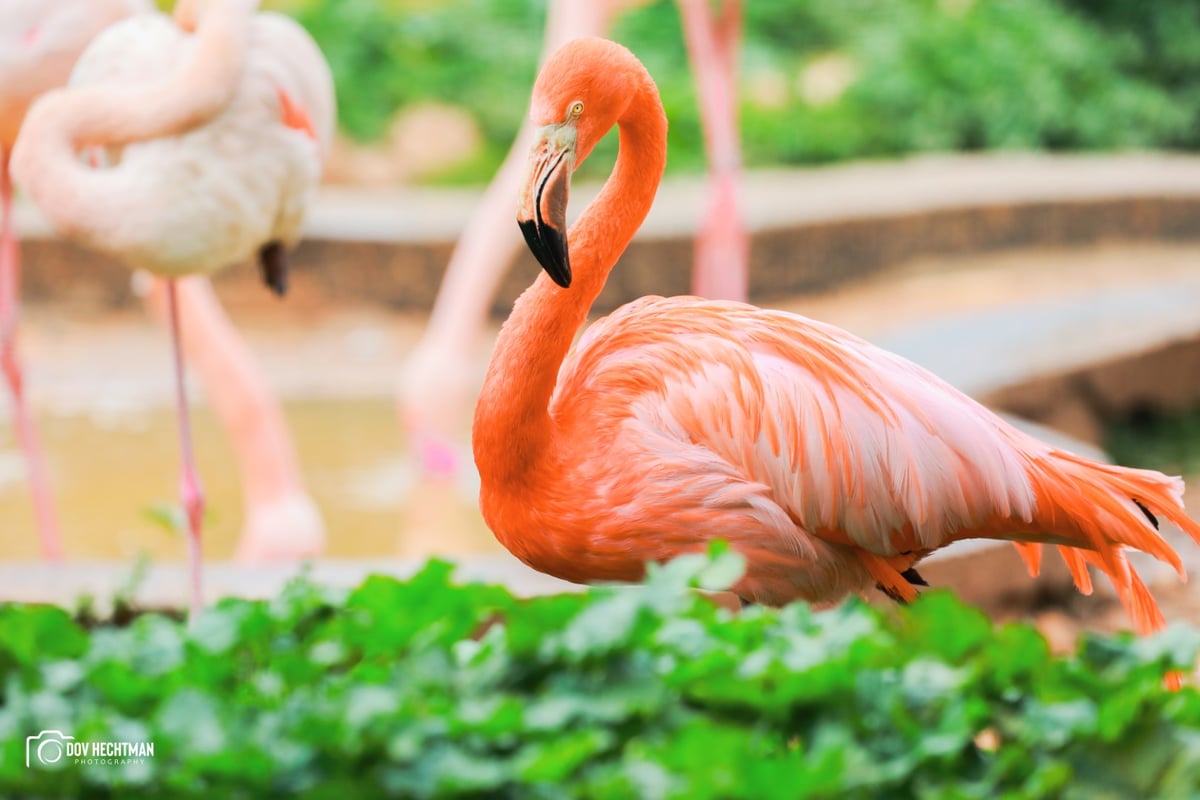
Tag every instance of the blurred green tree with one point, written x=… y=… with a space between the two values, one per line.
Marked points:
x=821 y=81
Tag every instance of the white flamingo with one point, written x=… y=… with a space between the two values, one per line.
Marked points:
x=213 y=129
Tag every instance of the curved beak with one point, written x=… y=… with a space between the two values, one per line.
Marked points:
x=542 y=214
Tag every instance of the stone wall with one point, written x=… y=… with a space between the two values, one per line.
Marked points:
x=800 y=257
x=1082 y=402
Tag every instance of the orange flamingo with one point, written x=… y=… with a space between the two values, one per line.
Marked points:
x=830 y=464
x=39 y=42
x=224 y=113
x=439 y=377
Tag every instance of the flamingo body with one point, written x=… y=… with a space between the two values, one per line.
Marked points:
x=249 y=179
x=829 y=463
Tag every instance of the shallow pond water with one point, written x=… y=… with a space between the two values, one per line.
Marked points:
x=109 y=472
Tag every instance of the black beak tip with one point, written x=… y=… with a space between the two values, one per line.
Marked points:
x=549 y=247
x=272 y=262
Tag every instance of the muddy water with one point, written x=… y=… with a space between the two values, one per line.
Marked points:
x=109 y=473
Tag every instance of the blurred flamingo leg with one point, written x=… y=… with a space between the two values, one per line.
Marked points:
x=190 y=489
x=722 y=248
x=26 y=431
x=281 y=522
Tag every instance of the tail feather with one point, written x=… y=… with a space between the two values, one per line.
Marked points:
x=1141 y=496
x=1105 y=510
x=1031 y=554
x=1141 y=606
x=1078 y=568
x=1095 y=511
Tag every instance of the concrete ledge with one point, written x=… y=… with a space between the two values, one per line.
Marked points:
x=165 y=585
x=985 y=352
x=988 y=574
x=812 y=228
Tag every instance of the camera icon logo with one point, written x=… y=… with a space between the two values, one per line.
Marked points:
x=46 y=749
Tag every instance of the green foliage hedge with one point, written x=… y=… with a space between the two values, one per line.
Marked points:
x=925 y=74
x=421 y=688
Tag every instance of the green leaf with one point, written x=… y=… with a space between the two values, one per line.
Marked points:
x=30 y=633
x=725 y=569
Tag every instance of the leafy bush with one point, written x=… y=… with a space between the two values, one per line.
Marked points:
x=480 y=54
x=917 y=75
x=421 y=688
x=955 y=75
x=1158 y=42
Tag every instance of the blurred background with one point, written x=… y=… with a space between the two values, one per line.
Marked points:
x=820 y=82
x=1002 y=190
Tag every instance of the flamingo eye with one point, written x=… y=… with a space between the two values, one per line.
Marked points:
x=575 y=110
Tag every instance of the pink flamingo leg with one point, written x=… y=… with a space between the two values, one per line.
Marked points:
x=721 y=269
x=10 y=281
x=281 y=522
x=189 y=480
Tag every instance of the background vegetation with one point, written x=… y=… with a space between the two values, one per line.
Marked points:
x=1164 y=440
x=426 y=689
x=821 y=81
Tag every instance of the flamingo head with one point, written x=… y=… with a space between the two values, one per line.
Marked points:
x=583 y=90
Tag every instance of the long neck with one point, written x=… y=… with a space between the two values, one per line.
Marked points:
x=513 y=433
x=86 y=201
x=467 y=291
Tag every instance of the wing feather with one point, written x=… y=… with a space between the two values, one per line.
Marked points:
x=853 y=442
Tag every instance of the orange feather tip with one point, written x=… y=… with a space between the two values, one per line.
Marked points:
x=1031 y=554
x=294 y=116
x=1078 y=569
